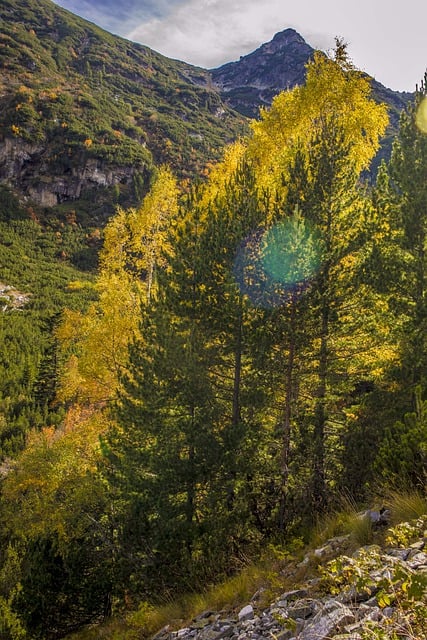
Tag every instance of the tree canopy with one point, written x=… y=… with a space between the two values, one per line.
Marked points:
x=254 y=340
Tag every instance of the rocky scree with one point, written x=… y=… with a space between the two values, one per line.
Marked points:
x=352 y=598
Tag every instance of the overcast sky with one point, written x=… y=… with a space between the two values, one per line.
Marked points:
x=386 y=38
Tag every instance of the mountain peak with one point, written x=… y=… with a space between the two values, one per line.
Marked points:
x=286 y=42
x=284 y=39
x=276 y=65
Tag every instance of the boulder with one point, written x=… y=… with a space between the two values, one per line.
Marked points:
x=247 y=613
x=330 y=620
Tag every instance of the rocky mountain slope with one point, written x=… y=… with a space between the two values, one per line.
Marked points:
x=84 y=110
x=86 y=115
x=253 y=81
x=378 y=592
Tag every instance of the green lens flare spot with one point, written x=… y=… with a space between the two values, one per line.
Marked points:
x=290 y=251
x=272 y=263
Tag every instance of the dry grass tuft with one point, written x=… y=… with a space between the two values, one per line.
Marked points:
x=406 y=505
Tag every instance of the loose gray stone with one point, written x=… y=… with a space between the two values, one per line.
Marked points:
x=247 y=613
x=293 y=595
x=402 y=554
x=205 y=614
x=416 y=559
x=326 y=550
x=375 y=614
x=372 y=602
x=331 y=619
x=301 y=609
x=324 y=618
x=284 y=635
x=163 y=633
x=352 y=596
x=208 y=634
x=420 y=544
x=227 y=632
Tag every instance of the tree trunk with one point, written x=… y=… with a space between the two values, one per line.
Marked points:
x=235 y=412
x=287 y=415
x=319 y=484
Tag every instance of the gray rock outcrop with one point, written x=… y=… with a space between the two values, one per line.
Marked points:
x=29 y=168
x=303 y=614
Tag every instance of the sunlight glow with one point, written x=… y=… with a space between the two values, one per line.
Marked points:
x=421 y=116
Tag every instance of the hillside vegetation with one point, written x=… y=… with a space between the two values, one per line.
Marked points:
x=46 y=269
x=87 y=115
x=253 y=349
x=73 y=94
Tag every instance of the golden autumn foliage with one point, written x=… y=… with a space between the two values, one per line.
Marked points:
x=331 y=92
x=98 y=340
x=49 y=500
x=135 y=239
x=220 y=174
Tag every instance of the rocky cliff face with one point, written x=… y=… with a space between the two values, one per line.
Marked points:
x=27 y=168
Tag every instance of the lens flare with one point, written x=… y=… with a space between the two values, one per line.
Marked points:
x=290 y=255
x=272 y=263
x=421 y=115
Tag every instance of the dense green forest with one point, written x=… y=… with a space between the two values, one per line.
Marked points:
x=252 y=348
x=52 y=268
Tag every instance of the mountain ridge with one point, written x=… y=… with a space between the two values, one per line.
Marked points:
x=279 y=65
x=286 y=43
x=85 y=111
x=88 y=115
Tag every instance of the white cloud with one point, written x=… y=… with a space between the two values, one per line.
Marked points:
x=387 y=43
x=211 y=32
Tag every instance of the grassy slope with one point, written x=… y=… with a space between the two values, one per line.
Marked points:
x=85 y=93
x=277 y=571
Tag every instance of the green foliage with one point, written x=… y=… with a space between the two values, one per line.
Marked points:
x=30 y=261
x=407 y=169
x=10 y=208
x=398 y=586
x=64 y=546
x=345 y=573
x=187 y=400
x=232 y=352
x=85 y=95
x=402 y=456
x=207 y=439
x=10 y=626
x=404 y=533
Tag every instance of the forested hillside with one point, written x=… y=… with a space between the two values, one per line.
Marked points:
x=87 y=114
x=43 y=270
x=252 y=348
